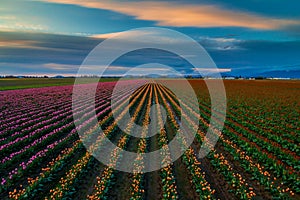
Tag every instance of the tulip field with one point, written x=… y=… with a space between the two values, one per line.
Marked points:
x=257 y=155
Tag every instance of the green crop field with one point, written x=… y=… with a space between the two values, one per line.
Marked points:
x=23 y=83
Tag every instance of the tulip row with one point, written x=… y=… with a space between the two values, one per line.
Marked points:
x=137 y=190
x=248 y=163
x=53 y=167
x=241 y=190
x=64 y=187
x=271 y=167
x=43 y=124
x=23 y=112
x=55 y=127
x=35 y=159
x=284 y=151
x=68 y=179
x=166 y=173
x=275 y=124
x=104 y=182
x=66 y=184
x=203 y=188
x=285 y=141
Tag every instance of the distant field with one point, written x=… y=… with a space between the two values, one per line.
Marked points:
x=23 y=83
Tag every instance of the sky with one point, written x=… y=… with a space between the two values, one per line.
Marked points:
x=50 y=37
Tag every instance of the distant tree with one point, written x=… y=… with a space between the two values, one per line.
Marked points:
x=10 y=76
x=259 y=78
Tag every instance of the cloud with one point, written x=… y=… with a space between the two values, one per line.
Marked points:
x=17 y=44
x=36 y=53
x=13 y=26
x=37 y=48
x=32 y=41
x=293 y=30
x=222 y=44
x=209 y=71
x=180 y=15
x=258 y=55
x=61 y=67
x=106 y=35
x=8 y=17
x=132 y=33
x=11 y=23
x=90 y=68
x=108 y=71
x=152 y=36
x=212 y=70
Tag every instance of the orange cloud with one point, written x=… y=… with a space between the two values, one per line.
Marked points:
x=17 y=43
x=134 y=33
x=179 y=15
